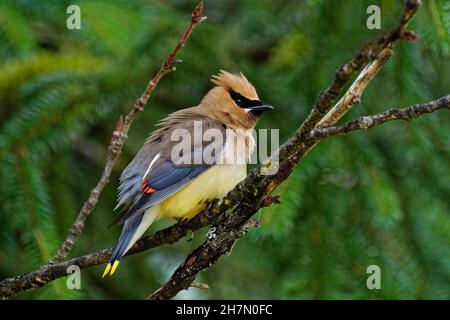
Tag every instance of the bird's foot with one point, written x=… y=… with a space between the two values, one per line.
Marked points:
x=208 y=213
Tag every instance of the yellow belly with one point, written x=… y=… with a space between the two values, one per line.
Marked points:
x=211 y=184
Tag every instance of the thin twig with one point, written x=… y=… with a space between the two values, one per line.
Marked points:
x=353 y=94
x=120 y=135
x=380 y=56
x=199 y=285
x=366 y=54
x=367 y=122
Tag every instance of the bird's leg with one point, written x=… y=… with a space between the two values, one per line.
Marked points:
x=189 y=232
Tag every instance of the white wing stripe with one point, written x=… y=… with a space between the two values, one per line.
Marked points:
x=151 y=164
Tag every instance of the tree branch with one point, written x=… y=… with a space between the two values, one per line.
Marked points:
x=366 y=54
x=382 y=55
x=368 y=122
x=50 y=272
x=353 y=94
x=120 y=135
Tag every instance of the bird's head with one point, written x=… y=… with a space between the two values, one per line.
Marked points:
x=234 y=101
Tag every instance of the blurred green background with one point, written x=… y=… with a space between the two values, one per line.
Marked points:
x=378 y=197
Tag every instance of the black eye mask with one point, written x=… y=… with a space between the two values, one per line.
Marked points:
x=243 y=102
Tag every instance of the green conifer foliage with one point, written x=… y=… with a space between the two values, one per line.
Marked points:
x=379 y=197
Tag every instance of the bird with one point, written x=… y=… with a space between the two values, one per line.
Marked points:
x=178 y=179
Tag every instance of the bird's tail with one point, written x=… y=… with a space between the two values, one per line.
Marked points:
x=132 y=230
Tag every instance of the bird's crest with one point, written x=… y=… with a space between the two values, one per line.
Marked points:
x=235 y=82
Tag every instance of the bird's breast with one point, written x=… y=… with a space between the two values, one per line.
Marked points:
x=214 y=183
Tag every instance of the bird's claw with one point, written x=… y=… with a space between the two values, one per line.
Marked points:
x=208 y=214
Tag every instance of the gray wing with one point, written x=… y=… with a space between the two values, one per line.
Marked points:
x=152 y=176
x=162 y=181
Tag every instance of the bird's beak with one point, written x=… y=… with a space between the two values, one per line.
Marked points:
x=261 y=107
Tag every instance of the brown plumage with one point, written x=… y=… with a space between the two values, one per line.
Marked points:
x=222 y=106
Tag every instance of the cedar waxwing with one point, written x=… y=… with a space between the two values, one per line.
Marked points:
x=158 y=184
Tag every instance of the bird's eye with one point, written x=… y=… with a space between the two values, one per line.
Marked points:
x=243 y=102
x=237 y=98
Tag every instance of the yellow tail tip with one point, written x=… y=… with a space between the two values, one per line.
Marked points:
x=108 y=267
x=114 y=267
